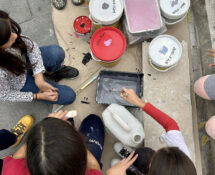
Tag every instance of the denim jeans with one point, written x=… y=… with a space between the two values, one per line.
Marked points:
x=53 y=56
x=7 y=139
x=93 y=130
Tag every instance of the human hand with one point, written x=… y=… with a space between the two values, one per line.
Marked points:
x=49 y=95
x=130 y=96
x=121 y=167
x=44 y=87
x=211 y=53
x=92 y=163
x=60 y=115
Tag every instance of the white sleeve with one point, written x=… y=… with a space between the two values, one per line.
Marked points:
x=174 y=138
x=34 y=56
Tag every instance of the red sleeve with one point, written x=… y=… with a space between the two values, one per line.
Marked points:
x=93 y=172
x=163 y=119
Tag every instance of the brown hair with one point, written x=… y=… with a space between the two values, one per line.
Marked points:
x=54 y=147
x=9 y=61
x=171 y=161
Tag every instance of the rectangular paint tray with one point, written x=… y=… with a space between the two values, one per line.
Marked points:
x=143 y=15
x=110 y=84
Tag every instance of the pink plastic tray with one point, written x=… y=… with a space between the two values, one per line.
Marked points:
x=143 y=15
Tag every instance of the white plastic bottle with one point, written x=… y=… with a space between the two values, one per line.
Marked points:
x=123 y=125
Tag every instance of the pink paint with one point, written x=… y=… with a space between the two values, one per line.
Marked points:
x=76 y=35
x=142 y=15
x=70 y=34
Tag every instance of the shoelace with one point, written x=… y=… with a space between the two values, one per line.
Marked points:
x=20 y=128
x=124 y=152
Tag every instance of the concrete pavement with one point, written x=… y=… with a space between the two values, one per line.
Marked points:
x=35 y=18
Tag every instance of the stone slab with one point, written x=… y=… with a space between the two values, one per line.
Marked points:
x=170 y=92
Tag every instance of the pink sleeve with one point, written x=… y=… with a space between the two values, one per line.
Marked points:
x=163 y=119
x=93 y=172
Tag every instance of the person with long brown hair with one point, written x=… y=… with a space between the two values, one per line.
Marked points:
x=22 y=64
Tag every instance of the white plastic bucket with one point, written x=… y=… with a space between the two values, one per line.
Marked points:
x=164 y=52
x=174 y=9
x=106 y=12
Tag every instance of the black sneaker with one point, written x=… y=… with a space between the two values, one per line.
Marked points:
x=64 y=72
x=122 y=150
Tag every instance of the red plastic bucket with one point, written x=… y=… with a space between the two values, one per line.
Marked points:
x=107 y=46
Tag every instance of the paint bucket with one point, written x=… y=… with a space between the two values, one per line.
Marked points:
x=83 y=27
x=174 y=9
x=137 y=10
x=106 y=12
x=164 y=52
x=107 y=46
x=170 y=22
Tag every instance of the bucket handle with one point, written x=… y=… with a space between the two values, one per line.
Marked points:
x=150 y=61
x=95 y=59
x=120 y=122
x=96 y=23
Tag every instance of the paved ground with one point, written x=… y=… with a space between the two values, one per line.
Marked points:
x=36 y=22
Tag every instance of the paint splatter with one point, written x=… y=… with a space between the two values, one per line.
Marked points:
x=70 y=34
x=108 y=42
x=76 y=35
x=87 y=58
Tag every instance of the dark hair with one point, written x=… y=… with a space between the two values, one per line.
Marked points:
x=144 y=158
x=54 y=147
x=9 y=61
x=170 y=161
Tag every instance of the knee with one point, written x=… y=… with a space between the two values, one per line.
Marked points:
x=210 y=127
x=70 y=96
x=94 y=119
x=58 y=53
x=199 y=87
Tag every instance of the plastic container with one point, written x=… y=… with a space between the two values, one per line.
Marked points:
x=110 y=83
x=164 y=52
x=170 y=22
x=142 y=16
x=107 y=46
x=106 y=12
x=123 y=125
x=83 y=27
x=174 y=9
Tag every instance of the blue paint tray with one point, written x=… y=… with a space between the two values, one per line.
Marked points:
x=110 y=84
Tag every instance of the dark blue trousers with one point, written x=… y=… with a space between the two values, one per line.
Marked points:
x=92 y=129
x=53 y=57
x=7 y=139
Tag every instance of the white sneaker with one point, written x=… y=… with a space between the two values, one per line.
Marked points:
x=122 y=150
x=114 y=162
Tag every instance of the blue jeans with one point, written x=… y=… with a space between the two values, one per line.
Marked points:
x=7 y=139
x=53 y=56
x=92 y=129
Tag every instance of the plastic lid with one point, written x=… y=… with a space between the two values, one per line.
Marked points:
x=175 y=7
x=82 y=24
x=106 y=11
x=165 y=51
x=108 y=43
